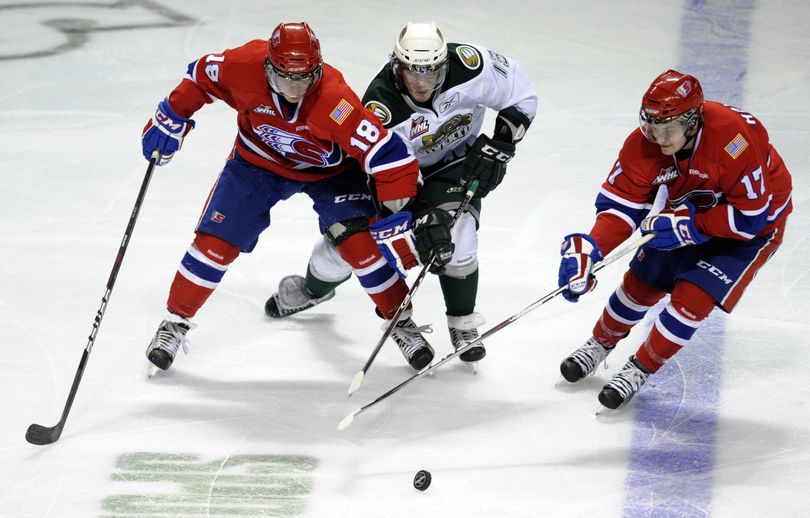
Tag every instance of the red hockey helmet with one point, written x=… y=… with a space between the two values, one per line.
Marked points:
x=294 y=56
x=671 y=97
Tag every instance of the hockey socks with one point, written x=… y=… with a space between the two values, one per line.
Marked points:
x=675 y=325
x=381 y=282
x=460 y=293
x=199 y=273
x=625 y=308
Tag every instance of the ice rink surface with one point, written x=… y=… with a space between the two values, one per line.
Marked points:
x=246 y=425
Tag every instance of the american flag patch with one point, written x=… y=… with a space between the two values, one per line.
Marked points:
x=217 y=217
x=736 y=146
x=341 y=111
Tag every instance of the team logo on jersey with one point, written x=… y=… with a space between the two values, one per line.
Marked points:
x=667 y=174
x=469 y=56
x=419 y=126
x=263 y=108
x=380 y=110
x=293 y=147
x=449 y=103
x=454 y=129
x=736 y=146
x=341 y=111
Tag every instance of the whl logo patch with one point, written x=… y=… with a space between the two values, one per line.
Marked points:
x=665 y=175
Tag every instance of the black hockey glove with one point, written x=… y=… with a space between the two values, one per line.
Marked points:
x=486 y=161
x=431 y=228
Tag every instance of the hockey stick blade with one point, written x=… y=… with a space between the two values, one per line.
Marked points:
x=42 y=435
x=461 y=350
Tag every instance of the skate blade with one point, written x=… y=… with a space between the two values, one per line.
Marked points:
x=602 y=410
x=152 y=370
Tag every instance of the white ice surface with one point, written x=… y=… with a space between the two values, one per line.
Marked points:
x=505 y=442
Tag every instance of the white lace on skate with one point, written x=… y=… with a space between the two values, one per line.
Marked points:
x=408 y=337
x=590 y=355
x=293 y=297
x=628 y=381
x=171 y=336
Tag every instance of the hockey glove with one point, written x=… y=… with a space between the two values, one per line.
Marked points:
x=486 y=161
x=431 y=227
x=395 y=238
x=165 y=132
x=673 y=228
x=579 y=252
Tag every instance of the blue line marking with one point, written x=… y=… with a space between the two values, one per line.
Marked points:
x=673 y=443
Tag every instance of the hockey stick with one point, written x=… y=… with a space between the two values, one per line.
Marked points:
x=38 y=434
x=347 y=421
x=472 y=186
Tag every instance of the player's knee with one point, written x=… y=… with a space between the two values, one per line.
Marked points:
x=691 y=301
x=326 y=264
x=339 y=232
x=215 y=248
x=639 y=291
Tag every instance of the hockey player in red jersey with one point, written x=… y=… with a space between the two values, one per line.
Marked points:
x=728 y=199
x=300 y=129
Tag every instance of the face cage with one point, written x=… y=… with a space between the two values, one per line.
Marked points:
x=418 y=74
x=684 y=123
x=273 y=74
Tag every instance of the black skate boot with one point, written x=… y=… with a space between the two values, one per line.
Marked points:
x=292 y=297
x=584 y=360
x=463 y=330
x=624 y=384
x=412 y=344
x=170 y=336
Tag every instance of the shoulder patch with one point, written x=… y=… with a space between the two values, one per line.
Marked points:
x=736 y=146
x=469 y=56
x=341 y=111
x=380 y=110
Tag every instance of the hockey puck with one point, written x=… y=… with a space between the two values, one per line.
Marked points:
x=421 y=480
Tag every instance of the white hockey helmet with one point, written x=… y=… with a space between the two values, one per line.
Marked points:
x=419 y=60
x=421 y=45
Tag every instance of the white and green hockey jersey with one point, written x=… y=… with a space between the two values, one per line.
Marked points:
x=477 y=79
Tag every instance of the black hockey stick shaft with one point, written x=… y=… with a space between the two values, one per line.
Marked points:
x=38 y=434
x=605 y=262
x=471 y=186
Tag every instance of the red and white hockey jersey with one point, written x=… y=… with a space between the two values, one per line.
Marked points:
x=734 y=177
x=312 y=142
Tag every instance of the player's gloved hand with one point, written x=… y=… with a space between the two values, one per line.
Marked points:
x=165 y=132
x=673 y=228
x=486 y=160
x=431 y=227
x=579 y=252
x=394 y=236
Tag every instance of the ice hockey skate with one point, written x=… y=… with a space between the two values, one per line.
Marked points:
x=583 y=361
x=412 y=344
x=292 y=297
x=170 y=336
x=623 y=386
x=463 y=330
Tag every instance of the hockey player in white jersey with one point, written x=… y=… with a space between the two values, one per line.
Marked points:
x=435 y=94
